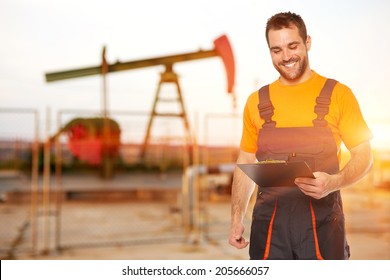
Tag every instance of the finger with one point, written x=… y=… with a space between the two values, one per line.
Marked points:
x=238 y=238
x=305 y=181
x=307 y=191
x=317 y=174
x=242 y=245
x=312 y=194
x=306 y=188
x=239 y=243
x=242 y=241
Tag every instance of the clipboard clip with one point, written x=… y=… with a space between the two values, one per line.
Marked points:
x=268 y=161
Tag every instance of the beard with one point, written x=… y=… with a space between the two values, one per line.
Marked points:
x=292 y=74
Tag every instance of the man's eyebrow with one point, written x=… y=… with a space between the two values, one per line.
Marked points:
x=275 y=48
x=294 y=43
x=289 y=45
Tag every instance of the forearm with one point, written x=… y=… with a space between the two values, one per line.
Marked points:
x=357 y=167
x=242 y=189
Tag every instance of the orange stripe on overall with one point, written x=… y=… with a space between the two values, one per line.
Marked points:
x=314 y=224
x=269 y=235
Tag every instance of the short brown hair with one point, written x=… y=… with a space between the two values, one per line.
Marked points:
x=286 y=20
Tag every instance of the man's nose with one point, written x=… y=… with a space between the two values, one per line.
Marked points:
x=286 y=54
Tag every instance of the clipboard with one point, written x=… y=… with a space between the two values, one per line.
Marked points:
x=276 y=174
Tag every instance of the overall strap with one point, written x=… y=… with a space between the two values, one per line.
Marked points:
x=323 y=102
x=266 y=109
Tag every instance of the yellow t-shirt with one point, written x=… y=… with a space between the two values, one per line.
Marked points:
x=294 y=107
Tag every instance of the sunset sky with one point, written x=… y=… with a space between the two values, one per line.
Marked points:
x=350 y=42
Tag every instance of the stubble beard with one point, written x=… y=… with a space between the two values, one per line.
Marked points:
x=294 y=75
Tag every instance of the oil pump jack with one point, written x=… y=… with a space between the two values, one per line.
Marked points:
x=222 y=49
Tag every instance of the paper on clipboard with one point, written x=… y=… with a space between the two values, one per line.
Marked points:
x=276 y=174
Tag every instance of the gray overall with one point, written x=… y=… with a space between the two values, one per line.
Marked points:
x=286 y=223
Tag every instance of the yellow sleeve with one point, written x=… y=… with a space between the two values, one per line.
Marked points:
x=250 y=129
x=352 y=126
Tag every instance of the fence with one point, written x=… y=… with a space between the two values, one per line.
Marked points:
x=184 y=208
x=19 y=151
x=71 y=204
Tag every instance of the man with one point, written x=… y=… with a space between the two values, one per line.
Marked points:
x=302 y=116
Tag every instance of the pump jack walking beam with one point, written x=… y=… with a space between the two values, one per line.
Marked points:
x=122 y=66
x=222 y=49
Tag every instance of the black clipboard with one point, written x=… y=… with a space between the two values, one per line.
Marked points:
x=276 y=174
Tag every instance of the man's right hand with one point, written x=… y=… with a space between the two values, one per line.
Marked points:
x=236 y=239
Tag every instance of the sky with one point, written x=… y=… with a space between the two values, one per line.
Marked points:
x=350 y=43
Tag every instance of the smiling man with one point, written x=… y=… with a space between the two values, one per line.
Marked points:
x=302 y=116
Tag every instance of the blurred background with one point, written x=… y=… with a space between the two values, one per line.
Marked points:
x=120 y=121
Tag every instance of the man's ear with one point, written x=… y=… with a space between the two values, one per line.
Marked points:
x=308 y=43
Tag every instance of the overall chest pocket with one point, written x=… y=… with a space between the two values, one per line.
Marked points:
x=308 y=144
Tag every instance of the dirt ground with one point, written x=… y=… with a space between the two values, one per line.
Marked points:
x=130 y=230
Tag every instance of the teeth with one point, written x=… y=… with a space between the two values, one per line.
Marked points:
x=290 y=65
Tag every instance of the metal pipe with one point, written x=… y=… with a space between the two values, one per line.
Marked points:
x=34 y=185
x=46 y=187
x=58 y=185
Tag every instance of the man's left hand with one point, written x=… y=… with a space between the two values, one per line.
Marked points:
x=321 y=186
